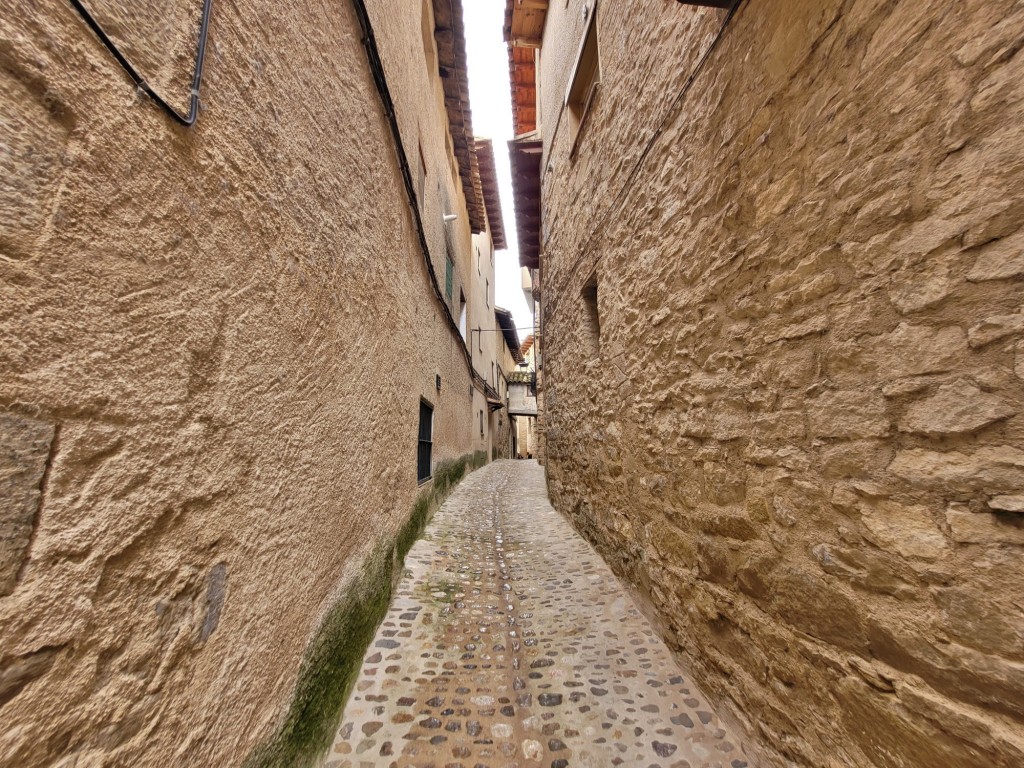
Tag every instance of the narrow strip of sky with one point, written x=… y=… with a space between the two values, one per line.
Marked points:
x=490 y=100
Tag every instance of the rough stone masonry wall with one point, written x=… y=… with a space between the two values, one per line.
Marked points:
x=801 y=432
x=213 y=343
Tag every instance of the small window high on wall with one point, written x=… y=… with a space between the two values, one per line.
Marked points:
x=586 y=77
x=462 y=314
x=449 y=277
x=426 y=442
x=591 y=330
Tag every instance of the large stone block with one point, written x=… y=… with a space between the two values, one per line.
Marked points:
x=849 y=414
x=813 y=605
x=995 y=468
x=908 y=350
x=24 y=451
x=955 y=409
x=967 y=527
x=999 y=260
x=907 y=530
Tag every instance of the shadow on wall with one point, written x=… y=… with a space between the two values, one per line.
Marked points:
x=335 y=654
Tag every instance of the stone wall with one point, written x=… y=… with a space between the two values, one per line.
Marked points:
x=796 y=419
x=213 y=344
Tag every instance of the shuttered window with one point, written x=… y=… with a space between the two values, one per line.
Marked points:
x=425 y=442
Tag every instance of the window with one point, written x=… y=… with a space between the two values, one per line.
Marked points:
x=422 y=175
x=462 y=314
x=481 y=423
x=591 y=330
x=487 y=293
x=423 y=472
x=449 y=277
x=478 y=259
x=585 y=78
x=427 y=30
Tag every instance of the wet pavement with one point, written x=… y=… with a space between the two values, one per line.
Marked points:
x=510 y=643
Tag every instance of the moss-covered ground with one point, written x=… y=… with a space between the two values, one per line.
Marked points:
x=335 y=654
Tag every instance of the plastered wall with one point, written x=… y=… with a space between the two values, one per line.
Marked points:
x=799 y=427
x=213 y=344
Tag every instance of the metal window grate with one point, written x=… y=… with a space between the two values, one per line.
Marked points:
x=425 y=442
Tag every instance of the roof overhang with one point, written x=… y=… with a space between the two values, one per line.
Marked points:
x=450 y=37
x=527 y=343
x=508 y=330
x=492 y=199
x=524 y=28
x=525 y=156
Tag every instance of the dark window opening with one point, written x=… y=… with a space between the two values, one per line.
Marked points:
x=425 y=446
x=591 y=329
x=421 y=177
x=462 y=315
x=449 y=277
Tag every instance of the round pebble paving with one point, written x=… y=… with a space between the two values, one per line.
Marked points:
x=510 y=644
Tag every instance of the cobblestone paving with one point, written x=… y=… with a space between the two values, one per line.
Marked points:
x=510 y=643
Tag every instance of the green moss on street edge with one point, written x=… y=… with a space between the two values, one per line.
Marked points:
x=335 y=655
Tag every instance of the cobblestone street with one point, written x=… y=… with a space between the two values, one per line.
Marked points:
x=510 y=643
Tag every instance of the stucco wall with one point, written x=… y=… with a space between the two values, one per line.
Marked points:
x=800 y=432
x=213 y=344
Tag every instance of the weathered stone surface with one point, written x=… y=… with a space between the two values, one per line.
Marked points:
x=909 y=350
x=814 y=260
x=968 y=527
x=862 y=290
x=16 y=673
x=818 y=608
x=848 y=414
x=989 y=467
x=956 y=408
x=907 y=530
x=990 y=623
x=24 y=451
x=1007 y=503
x=999 y=260
x=994 y=328
x=965 y=723
x=865 y=569
x=931 y=288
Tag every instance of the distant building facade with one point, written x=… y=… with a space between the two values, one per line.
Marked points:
x=780 y=246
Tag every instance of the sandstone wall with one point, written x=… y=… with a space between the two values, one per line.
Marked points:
x=213 y=344
x=799 y=428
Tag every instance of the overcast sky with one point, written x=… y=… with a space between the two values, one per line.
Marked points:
x=491 y=102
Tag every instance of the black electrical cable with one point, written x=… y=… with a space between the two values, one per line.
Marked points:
x=193 y=109
x=384 y=92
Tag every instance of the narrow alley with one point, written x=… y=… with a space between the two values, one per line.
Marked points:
x=510 y=642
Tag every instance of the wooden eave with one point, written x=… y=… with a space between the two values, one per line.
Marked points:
x=525 y=349
x=508 y=330
x=449 y=34
x=492 y=199
x=525 y=158
x=524 y=22
x=524 y=28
